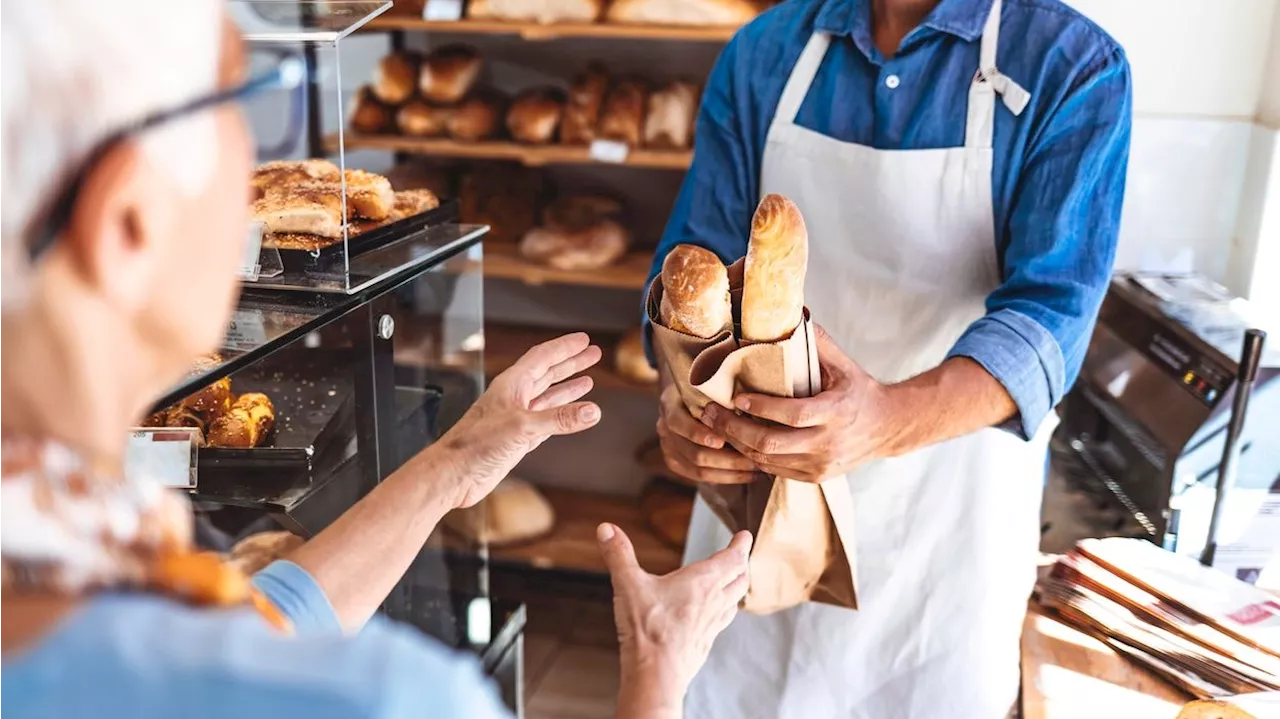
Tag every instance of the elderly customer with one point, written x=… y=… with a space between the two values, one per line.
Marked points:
x=108 y=610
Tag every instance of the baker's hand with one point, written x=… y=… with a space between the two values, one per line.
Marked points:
x=666 y=624
x=814 y=438
x=693 y=451
x=524 y=406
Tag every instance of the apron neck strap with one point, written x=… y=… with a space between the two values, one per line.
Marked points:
x=987 y=82
x=801 y=77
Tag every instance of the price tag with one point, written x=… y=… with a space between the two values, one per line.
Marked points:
x=250 y=267
x=442 y=10
x=166 y=455
x=609 y=151
x=247 y=331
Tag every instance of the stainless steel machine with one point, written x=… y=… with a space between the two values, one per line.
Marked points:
x=1149 y=416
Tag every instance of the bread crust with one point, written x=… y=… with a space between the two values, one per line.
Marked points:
x=695 y=292
x=773 y=275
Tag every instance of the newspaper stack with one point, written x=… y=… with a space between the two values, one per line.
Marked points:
x=1204 y=631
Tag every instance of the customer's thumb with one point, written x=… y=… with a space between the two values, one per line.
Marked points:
x=615 y=547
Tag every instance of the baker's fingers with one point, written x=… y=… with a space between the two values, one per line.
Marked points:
x=804 y=412
x=681 y=467
x=703 y=457
x=797 y=467
x=746 y=433
x=563 y=393
x=677 y=420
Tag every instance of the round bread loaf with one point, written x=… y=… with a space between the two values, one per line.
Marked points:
x=418 y=119
x=695 y=292
x=395 y=77
x=448 y=74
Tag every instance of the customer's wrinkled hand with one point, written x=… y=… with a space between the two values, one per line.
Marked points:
x=666 y=624
x=535 y=398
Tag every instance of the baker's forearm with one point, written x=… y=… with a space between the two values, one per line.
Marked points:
x=360 y=557
x=953 y=399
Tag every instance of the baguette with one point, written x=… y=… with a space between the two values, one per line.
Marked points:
x=695 y=292
x=773 y=275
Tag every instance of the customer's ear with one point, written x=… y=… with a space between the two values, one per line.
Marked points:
x=115 y=234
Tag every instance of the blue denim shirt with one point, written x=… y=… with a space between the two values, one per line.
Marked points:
x=1057 y=182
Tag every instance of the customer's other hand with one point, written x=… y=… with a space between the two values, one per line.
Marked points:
x=666 y=624
x=532 y=400
x=697 y=452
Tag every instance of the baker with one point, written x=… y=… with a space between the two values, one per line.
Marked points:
x=960 y=165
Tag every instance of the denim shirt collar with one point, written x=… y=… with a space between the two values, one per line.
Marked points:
x=852 y=18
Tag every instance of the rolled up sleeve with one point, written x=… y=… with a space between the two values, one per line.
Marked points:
x=297 y=595
x=1060 y=245
x=719 y=193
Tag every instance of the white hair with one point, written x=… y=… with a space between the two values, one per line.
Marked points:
x=74 y=71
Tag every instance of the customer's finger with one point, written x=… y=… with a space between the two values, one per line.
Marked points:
x=616 y=550
x=566 y=369
x=730 y=562
x=737 y=589
x=568 y=419
x=563 y=393
x=541 y=358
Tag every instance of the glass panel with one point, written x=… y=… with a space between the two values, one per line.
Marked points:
x=302 y=21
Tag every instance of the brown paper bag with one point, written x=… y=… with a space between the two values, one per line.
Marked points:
x=804 y=540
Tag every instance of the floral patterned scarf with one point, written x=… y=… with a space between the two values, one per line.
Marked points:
x=67 y=529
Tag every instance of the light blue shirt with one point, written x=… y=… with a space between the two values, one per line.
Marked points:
x=1059 y=167
x=136 y=656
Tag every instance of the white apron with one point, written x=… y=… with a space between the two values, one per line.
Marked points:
x=902 y=257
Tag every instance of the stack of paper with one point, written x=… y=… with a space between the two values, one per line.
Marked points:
x=1204 y=631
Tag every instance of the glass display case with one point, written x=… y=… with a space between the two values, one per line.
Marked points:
x=367 y=350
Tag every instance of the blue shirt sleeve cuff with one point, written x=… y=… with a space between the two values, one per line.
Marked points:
x=1024 y=357
x=295 y=593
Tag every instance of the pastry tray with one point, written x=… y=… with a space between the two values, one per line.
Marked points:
x=315 y=412
x=303 y=260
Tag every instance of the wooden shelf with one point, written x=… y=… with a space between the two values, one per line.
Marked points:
x=534 y=31
x=528 y=155
x=504 y=344
x=502 y=261
x=571 y=546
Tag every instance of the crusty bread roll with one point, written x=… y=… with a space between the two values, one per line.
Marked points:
x=476 y=118
x=246 y=424
x=1209 y=709
x=543 y=11
x=669 y=122
x=514 y=512
x=449 y=73
x=253 y=553
x=582 y=111
x=368 y=114
x=622 y=118
x=695 y=292
x=773 y=275
x=395 y=77
x=630 y=361
x=684 y=12
x=418 y=119
x=535 y=115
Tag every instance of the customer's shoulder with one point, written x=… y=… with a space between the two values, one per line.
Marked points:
x=164 y=659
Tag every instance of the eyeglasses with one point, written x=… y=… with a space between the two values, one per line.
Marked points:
x=287 y=74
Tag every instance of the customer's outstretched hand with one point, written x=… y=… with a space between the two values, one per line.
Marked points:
x=666 y=624
x=535 y=398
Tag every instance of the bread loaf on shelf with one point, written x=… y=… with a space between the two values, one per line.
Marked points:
x=695 y=292
x=514 y=512
x=725 y=13
x=773 y=275
x=669 y=122
x=502 y=196
x=369 y=115
x=572 y=213
x=395 y=78
x=630 y=361
x=622 y=118
x=582 y=111
x=245 y=425
x=535 y=116
x=476 y=118
x=541 y=11
x=419 y=119
x=449 y=73
x=253 y=553
x=591 y=248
